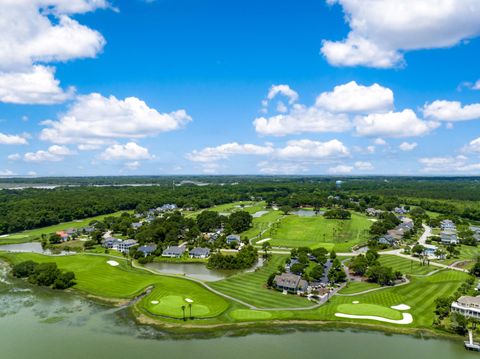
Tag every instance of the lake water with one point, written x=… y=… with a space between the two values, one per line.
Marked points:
x=259 y=214
x=307 y=213
x=196 y=270
x=42 y=324
x=30 y=247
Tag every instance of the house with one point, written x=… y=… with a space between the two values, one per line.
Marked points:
x=447 y=224
x=111 y=242
x=233 y=238
x=173 y=252
x=476 y=232
x=136 y=225
x=124 y=246
x=86 y=230
x=372 y=212
x=290 y=282
x=167 y=208
x=388 y=240
x=199 y=252
x=449 y=237
x=147 y=249
x=467 y=306
x=63 y=235
x=400 y=210
x=430 y=250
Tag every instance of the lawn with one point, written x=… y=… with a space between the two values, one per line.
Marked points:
x=172 y=293
x=369 y=309
x=32 y=234
x=467 y=253
x=94 y=275
x=249 y=206
x=419 y=294
x=357 y=287
x=251 y=288
x=261 y=224
x=314 y=232
x=406 y=266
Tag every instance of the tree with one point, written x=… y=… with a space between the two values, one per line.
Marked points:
x=24 y=269
x=298 y=268
x=317 y=272
x=271 y=280
x=475 y=271
x=418 y=249
x=240 y=221
x=55 y=239
x=266 y=247
x=183 y=310
x=64 y=280
x=285 y=209
x=336 y=274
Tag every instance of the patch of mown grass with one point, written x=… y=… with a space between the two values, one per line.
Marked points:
x=251 y=288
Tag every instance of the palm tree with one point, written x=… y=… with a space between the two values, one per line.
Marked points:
x=266 y=247
x=183 y=309
x=190 y=307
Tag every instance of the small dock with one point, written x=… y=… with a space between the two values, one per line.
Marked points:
x=470 y=344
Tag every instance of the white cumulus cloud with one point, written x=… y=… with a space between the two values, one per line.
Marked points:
x=364 y=166
x=54 y=153
x=382 y=30
x=340 y=169
x=393 y=124
x=35 y=32
x=130 y=151
x=94 y=120
x=406 y=146
x=308 y=149
x=12 y=139
x=227 y=150
x=451 y=111
x=352 y=97
x=36 y=85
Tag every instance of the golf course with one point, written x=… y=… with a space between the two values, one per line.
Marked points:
x=339 y=235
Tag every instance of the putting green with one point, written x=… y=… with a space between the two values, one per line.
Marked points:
x=246 y=314
x=171 y=299
x=369 y=310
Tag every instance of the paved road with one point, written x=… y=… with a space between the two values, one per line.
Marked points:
x=427 y=233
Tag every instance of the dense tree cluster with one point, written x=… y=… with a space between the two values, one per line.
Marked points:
x=368 y=266
x=337 y=213
x=32 y=208
x=245 y=258
x=44 y=274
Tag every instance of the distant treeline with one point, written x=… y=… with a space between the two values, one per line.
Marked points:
x=33 y=208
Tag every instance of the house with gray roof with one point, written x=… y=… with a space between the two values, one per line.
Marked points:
x=111 y=243
x=147 y=249
x=199 y=252
x=467 y=306
x=291 y=283
x=124 y=246
x=233 y=238
x=173 y=252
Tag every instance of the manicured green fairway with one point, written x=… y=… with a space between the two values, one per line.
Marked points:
x=251 y=288
x=172 y=293
x=260 y=224
x=314 y=232
x=356 y=287
x=30 y=235
x=369 y=309
x=419 y=294
x=406 y=266
x=246 y=315
x=94 y=275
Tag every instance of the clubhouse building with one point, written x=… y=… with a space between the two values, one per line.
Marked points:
x=467 y=306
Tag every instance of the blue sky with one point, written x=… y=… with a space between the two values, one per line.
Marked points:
x=97 y=87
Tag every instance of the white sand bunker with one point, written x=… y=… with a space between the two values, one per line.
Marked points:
x=264 y=240
x=407 y=318
x=355 y=302
x=154 y=302
x=113 y=263
x=188 y=300
x=401 y=307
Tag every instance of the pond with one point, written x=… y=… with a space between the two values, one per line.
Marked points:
x=30 y=247
x=259 y=214
x=307 y=213
x=197 y=270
